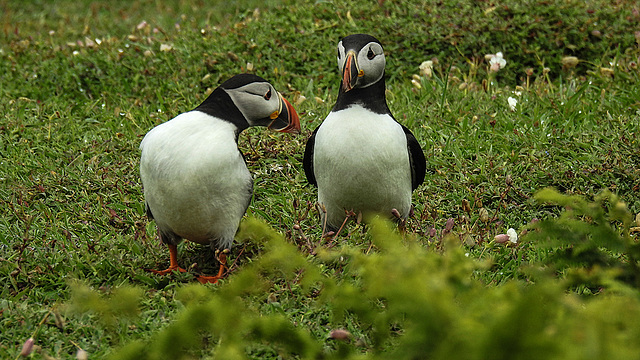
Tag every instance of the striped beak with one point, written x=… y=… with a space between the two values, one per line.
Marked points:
x=285 y=119
x=350 y=72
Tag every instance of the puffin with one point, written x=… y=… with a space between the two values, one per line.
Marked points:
x=360 y=158
x=195 y=180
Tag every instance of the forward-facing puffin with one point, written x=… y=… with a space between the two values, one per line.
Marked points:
x=360 y=158
x=196 y=183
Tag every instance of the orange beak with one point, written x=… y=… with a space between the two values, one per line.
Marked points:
x=286 y=119
x=350 y=72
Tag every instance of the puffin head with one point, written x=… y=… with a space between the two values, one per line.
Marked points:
x=361 y=61
x=261 y=104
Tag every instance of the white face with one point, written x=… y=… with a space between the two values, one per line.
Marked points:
x=370 y=60
x=256 y=101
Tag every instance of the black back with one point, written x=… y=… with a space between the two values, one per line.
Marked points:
x=416 y=159
x=220 y=105
x=307 y=161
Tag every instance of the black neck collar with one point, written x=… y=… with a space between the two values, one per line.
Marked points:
x=371 y=97
x=220 y=105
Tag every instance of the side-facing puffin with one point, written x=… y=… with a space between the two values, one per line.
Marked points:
x=196 y=183
x=360 y=158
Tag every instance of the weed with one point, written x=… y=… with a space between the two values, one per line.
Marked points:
x=84 y=81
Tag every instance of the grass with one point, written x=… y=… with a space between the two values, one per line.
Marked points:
x=85 y=81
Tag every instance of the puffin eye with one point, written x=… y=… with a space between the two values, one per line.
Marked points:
x=267 y=96
x=370 y=54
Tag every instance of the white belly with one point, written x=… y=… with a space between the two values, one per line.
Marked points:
x=195 y=180
x=361 y=163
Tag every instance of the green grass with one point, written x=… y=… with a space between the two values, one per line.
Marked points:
x=82 y=83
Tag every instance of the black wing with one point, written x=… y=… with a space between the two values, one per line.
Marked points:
x=307 y=161
x=416 y=159
x=148 y=210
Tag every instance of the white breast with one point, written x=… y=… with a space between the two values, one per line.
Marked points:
x=195 y=180
x=361 y=163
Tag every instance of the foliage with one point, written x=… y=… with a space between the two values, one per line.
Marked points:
x=401 y=302
x=590 y=239
x=85 y=80
x=120 y=305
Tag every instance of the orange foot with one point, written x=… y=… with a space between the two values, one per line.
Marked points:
x=212 y=279
x=168 y=270
x=173 y=262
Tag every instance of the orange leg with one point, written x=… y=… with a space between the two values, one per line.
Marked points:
x=212 y=279
x=173 y=262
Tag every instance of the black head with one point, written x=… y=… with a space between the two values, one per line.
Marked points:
x=249 y=100
x=361 y=62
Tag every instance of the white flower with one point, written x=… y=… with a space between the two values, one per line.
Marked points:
x=426 y=68
x=513 y=235
x=165 y=47
x=89 y=42
x=82 y=355
x=496 y=61
x=142 y=25
x=569 y=62
x=501 y=238
x=300 y=99
x=27 y=347
x=512 y=103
